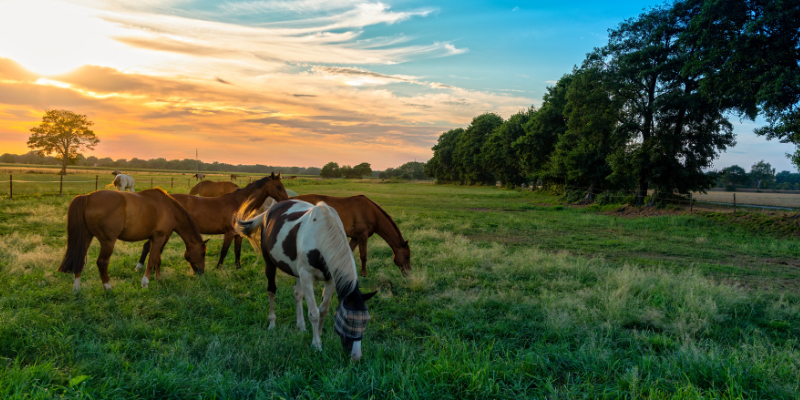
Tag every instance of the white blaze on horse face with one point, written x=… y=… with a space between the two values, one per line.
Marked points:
x=355 y=354
x=76 y=287
x=145 y=281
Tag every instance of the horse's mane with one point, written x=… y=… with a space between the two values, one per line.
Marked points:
x=384 y=214
x=255 y=184
x=333 y=245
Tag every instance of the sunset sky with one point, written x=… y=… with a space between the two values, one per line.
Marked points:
x=295 y=83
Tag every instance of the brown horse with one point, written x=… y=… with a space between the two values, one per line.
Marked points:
x=233 y=177
x=215 y=215
x=361 y=218
x=107 y=215
x=213 y=189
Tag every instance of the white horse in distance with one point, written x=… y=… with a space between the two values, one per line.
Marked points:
x=123 y=182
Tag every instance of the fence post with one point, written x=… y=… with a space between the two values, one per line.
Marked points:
x=61 y=185
x=151 y=183
x=10 y=186
x=189 y=182
x=171 y=182
x=734 y=204
x=96 y=177
x=691 y=202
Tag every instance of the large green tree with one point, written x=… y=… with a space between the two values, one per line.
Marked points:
x=64 y=134
x=673 y=131
x=444 y=164
x=542 y=132
x=472 y=166
x=748 y=52
x=500 y=155
x=330 y=170
x=592 y=114
x=762 y=172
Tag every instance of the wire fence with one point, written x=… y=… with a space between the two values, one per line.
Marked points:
x=41 y=184
x=710 y=201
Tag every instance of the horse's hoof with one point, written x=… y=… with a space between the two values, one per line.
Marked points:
x=145 y=282
x=271 y=326
x=107 y=286
x=76 y=287
x=139 y=267
x=301 y=328
x=364 y=274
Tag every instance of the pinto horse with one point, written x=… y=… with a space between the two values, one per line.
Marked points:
x=110 y=216
x=213 y=189
x=198 y=176
x=215 y=215
x=124 y=182
x=309 y=243
x=362 y=218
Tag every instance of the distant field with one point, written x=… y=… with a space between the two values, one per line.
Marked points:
x=764 y=198
x=512 y=295
x=6 y=168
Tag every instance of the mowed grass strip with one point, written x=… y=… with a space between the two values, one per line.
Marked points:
x=511 y=296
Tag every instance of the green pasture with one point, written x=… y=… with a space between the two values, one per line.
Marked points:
x=512 y=295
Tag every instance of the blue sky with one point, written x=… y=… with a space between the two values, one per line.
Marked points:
x=296 y=82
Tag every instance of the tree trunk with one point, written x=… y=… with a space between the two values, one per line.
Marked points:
x=641 y=190
x=589 y=198
x=63 y=165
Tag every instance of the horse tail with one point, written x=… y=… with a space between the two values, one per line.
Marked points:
x=78 y=237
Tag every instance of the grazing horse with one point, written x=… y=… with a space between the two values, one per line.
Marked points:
x=213 y=189
x=361 y=218
x=309 y=243
x=116 y=172
x=110 y=216
x=124 y=182
x=198 y=176
x=233 y=177
x=215 y=215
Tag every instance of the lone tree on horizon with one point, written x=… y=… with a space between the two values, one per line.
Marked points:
x=63 y=133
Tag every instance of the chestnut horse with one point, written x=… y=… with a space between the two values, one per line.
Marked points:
x=233 y=177
x=361 y=218
x=215 y=215
x=213 y=189
x=107 y=215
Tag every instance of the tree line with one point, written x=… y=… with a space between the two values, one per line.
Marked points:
x=650 y=109
x=760 y=176
x=186 y=164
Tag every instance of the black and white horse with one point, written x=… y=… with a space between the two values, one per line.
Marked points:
x=309 y=243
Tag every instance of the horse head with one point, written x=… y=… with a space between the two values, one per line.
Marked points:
x=196 y=256
x=350 y=321
x=275 y=188
x=402 y=258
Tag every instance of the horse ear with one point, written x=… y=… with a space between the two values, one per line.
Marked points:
x=205 y=242
x=406 y=243
x=279 y=174
x=367 y=296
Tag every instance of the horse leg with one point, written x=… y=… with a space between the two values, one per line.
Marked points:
x=76 y=286
x=237 y=249
x=226 y=243
x=306 y=282
x=106 y=249
x=353 y=243
x=155 y=258
x=271 y=289
x=362 y=252
x=327 y=294
x=298 y=303
x=161 y=250
x=143 y=257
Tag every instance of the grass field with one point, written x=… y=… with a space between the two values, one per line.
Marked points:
x=512 y=295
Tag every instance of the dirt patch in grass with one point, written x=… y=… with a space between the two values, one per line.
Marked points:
x=633 y=212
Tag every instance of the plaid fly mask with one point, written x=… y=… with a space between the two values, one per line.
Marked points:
x=350 y=323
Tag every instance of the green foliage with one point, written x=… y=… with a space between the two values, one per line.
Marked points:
x=409 y=170
x=501 y=157
x=444 y=164
x=64 y=134
x=762 y=172
x=8 y=158
x=734 y=176
x=330 y=170
x=472 y=166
